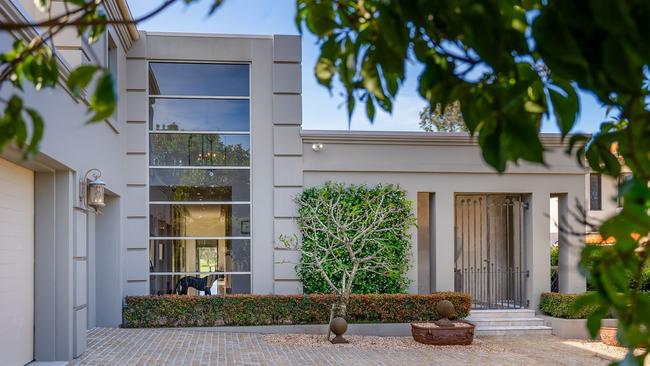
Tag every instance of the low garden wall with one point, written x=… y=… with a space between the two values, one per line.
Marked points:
x=567 y=322
x=247 y=310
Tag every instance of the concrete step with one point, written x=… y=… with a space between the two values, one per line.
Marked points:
x=502 y=313
x=508 y=322
x=505 y=322
x=514 y=330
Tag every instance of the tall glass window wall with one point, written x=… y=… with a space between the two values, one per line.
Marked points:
x=199 y=177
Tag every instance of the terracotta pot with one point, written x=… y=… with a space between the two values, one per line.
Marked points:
x=608 y=336
x=443 y=336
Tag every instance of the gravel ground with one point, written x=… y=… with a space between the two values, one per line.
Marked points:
x=602 y=350
x=396 y=343
x=110 y=346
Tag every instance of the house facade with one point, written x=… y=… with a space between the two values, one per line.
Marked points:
x=201 y=163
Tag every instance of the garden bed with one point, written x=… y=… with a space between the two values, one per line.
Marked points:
x=365 y=342
x=246 y=310
x=563 y=306
x=572 y=328
x=567 y=321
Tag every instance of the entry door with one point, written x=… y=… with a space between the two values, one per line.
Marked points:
x=16 y=264
x=489 y=250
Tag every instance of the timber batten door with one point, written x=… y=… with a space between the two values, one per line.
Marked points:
x=489 y=250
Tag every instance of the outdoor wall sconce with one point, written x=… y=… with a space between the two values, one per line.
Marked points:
x=317 y=147
x=91 y=191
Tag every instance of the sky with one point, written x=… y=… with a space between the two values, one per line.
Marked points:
x=320 y=109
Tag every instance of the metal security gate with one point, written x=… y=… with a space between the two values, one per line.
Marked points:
x=489 y=250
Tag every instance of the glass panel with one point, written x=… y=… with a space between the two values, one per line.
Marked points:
x=199 y=185
x=595 y=195
x=188 y=284
x=198 y=114
x=199 y=220
x=171 y=149
x=198 y=255
x=198 y=79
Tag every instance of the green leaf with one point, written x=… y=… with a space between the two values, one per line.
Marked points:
x=594 y=320
x=42 y=5
x=320 y=19
x=621 y=66
x=370 y=109
x=350 y=105
x=38 y=127
x=370 y=78
x=214 y=6
x=104 y=100
x=491 y=149
x=80 y=77
x=325 y=70
x=97 y=29
x=565 y=108
x=533 y=107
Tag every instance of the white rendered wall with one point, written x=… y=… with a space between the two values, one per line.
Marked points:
x=446 y=166
x=287 y=156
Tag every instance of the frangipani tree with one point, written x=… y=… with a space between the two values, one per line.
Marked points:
x=351 y=231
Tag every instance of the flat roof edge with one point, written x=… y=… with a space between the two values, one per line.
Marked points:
x=209 y=35
x=397 y=137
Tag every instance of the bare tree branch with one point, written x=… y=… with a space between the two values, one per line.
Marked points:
x=61 y=20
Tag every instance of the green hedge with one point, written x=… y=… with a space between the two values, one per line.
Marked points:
x=206 y=311
x=353 y=200
x=562 y=306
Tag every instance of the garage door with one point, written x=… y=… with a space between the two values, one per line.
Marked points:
x=16 y=264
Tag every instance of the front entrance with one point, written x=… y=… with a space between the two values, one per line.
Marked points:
x=489 y=250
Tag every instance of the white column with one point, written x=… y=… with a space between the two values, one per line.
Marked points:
x=538 y=249
x=64 y=242
x=443 y=245
x=287 y=173
x=570 y=279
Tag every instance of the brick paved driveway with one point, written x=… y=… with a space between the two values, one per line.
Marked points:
x=188 y=347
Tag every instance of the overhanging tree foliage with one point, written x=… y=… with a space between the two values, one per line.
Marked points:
x=531 y=57
x=34 y=61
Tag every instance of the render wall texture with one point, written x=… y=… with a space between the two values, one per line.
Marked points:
x=287 y=156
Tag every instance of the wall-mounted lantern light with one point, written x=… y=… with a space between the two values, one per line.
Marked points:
x=317 y=147
x=91 y=191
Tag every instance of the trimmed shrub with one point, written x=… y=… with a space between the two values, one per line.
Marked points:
x=562 y=306
x=555 y=255
x=207 y=311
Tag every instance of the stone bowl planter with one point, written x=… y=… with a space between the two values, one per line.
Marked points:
x=608 y=336
x=462 y=333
